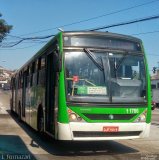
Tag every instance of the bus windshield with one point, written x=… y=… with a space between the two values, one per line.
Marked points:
x=103 y=77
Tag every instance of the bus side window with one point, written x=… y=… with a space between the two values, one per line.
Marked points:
x=38 y=69
x=55 y=61
x=19 y=80
x=35 y=73
x=26 y=77
x=42 y=63
x=31 y=73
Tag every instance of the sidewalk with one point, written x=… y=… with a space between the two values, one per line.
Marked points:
x=3 y=109
x=4 y=101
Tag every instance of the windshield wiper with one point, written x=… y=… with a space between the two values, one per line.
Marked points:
x=93 y=58
x=120 y=62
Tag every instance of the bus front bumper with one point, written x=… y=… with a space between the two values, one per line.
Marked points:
x=94 y=131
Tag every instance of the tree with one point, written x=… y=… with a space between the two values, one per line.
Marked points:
x=4 y=28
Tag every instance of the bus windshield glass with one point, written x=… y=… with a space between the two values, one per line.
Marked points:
x=104 y=77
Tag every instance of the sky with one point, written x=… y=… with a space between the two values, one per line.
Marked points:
x=30 y=18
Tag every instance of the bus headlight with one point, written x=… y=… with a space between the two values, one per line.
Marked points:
x=142 y=117
x=73 y=117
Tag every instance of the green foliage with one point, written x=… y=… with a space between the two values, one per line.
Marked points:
x=4 y=28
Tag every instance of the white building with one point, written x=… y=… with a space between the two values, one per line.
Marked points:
x=155 y=87
x=4 y=76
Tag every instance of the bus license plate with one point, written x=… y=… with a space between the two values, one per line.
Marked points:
x=110 y=129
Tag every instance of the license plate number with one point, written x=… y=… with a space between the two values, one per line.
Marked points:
x=110 y=129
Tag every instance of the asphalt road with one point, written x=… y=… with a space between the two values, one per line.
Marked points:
x=18 y=139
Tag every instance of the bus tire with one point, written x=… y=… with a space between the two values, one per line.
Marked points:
x=40 y=122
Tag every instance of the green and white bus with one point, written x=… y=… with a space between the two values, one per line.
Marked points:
x=86 y=86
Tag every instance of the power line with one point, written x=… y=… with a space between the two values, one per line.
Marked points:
x=21 y=47
x=143 y=33
x=92 y=18
x=5 y=44
x=28 y=38
x=98 y=28
x=14 y=36
x=89 y=19
x=125 y=23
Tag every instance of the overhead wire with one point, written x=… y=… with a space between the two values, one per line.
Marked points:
x=93 y=18
x=28 y=38
x=22 y=47
x=143 y=33
x=12 y=44
x=125 y=23
x=95 y=29
x=81 y=21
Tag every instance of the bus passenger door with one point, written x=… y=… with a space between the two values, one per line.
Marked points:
x=50 y=94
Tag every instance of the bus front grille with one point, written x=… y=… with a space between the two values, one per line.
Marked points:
x=105 y=134
x=109 y=116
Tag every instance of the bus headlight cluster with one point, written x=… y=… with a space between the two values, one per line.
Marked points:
x=73 y=117
x=142 y=117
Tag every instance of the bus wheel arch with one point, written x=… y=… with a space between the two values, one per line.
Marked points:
x=40 y=119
